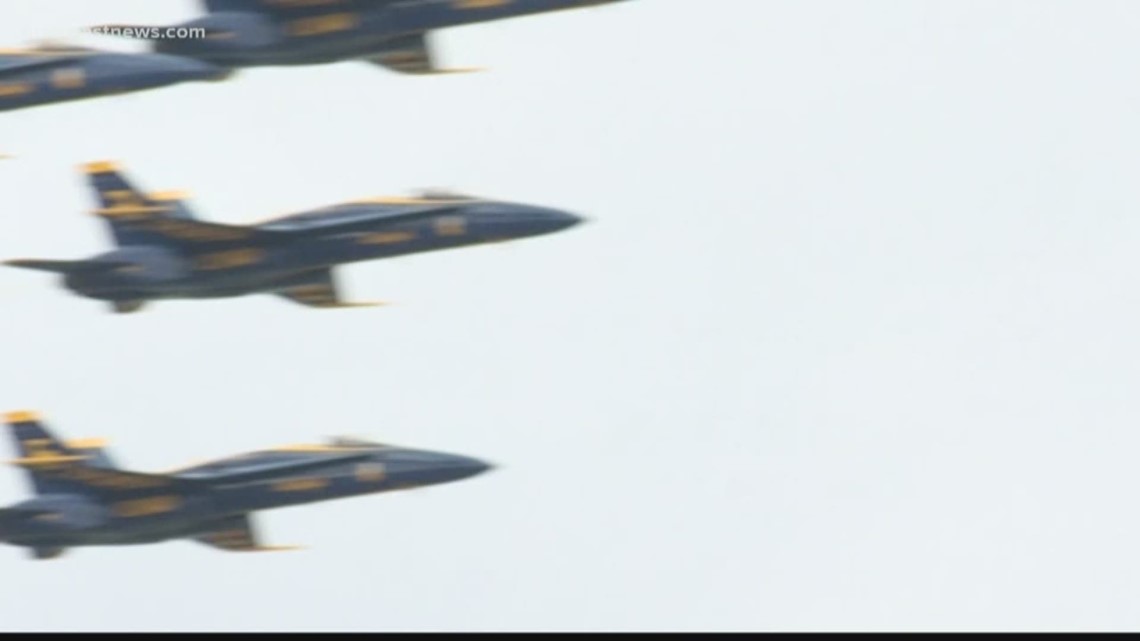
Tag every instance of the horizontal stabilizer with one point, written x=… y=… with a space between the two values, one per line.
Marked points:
x=10 y=515
x=67 y=266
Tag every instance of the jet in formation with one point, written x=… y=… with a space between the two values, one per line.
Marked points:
x=389 y=33
x=164 y=252
x=235 y=34
x=48 y=74
x=83 y=499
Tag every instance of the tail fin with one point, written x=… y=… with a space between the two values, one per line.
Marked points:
x=33 y=440
x=123 y=206
x=137 y=218
x=37 y=447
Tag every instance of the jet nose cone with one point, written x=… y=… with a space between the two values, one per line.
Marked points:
x=557 y=220
x=567 y=220
x=461 y=467
x=506 y=221
x=434 y=467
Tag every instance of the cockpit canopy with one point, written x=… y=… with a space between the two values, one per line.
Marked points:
x=441 y=193
x=352 y=441
x=367 y=209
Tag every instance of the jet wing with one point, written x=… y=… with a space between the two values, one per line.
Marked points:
x=236 y=534
x=14 y=517
x=318 y=290
x=411 y=54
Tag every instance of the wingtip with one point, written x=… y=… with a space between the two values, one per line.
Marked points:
x=21 y=416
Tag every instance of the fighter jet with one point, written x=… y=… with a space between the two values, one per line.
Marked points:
x=83 y=499
x=49 y=73
x=389 y=33
x=165 y=253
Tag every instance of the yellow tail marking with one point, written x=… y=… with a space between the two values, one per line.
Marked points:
x=21 y=416
x=86 y=443
x=169 y=195
x=100 y=167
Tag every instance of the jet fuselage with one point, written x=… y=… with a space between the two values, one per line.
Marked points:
x=38 y=77
x=176 y=511
x=336 y=30
x=296 y=246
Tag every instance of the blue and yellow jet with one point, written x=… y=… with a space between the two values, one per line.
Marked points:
x=50 y=74
x=83 y=499
x=165 y=253
x=389 y=33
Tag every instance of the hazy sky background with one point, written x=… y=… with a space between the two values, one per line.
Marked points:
x=852 y=341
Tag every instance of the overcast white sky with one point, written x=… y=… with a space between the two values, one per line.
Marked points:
x=851 y=342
